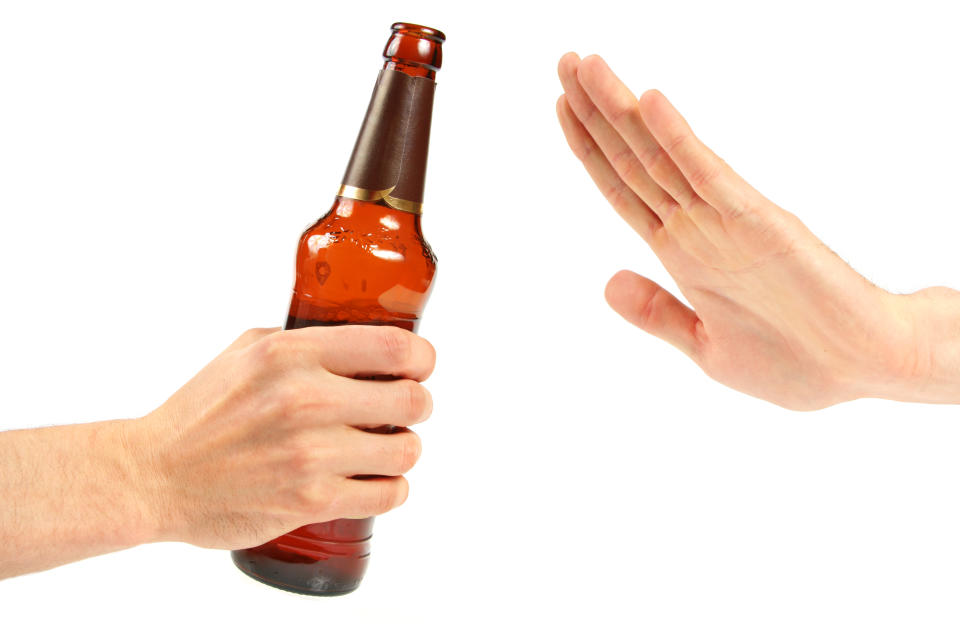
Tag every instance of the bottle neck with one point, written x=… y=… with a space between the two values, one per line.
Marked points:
x=415 y=70
x=389 y=161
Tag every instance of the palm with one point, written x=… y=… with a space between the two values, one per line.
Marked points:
x=775 y=313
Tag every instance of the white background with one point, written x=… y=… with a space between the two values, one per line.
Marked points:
x=158 y=162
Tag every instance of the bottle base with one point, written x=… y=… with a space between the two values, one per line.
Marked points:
x=303 y=579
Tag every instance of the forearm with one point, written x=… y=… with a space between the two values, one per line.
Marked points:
x=67 y=493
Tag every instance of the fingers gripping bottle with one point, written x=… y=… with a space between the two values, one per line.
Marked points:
x=364 y=262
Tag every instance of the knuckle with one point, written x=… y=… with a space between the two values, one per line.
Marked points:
x=313 y=400
x=269 y=352
x=584 y=150
x=409 y=451
x=738 y=209
x=624 y=162
x=675 y=142
x=312 y=497
x=658 y=163
x=621 y=113
x=667 y=204
x=401 y=491
x=704 y=174
x=388 y=495
x=649 y=154
x=592 y=116
x=616 y=196
x=308 y=451
x=289 y=401
x=397 y=346
x=301 y=459
x=431 y=356
x=648 y=311
x=613 y=191
x=383 y=498
x=413 y=400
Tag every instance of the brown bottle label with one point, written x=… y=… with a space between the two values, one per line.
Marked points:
x=389 y=161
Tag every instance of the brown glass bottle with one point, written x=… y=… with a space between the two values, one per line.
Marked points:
x=364 y=262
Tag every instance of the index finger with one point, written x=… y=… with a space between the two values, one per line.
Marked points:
x=358 y=351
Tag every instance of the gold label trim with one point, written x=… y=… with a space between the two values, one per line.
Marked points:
x=380 y=196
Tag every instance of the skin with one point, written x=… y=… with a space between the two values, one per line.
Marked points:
x=772 y=311
x=263 y=440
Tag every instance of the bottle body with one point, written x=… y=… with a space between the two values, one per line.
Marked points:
x=327 y=558
x=362 y=263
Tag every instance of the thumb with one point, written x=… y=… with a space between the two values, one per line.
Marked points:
x=652 y=308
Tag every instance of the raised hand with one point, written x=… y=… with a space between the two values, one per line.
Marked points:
x=775 y=313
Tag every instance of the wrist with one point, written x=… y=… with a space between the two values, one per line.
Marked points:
x=143 y=482
x=928 y=366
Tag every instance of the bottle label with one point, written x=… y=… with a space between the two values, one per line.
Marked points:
x=389 y=161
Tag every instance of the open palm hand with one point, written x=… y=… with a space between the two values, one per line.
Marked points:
x=775 y=313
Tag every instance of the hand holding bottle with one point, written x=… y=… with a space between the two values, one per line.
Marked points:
x=775 y=313
x=265 y=439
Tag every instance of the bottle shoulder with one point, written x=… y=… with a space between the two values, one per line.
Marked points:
x=349 y=270
x=383 y=233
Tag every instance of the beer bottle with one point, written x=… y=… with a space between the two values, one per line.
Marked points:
x=364 y=262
